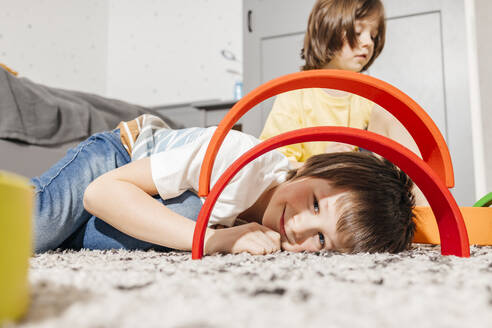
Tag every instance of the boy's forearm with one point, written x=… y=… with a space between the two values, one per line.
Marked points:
x=134 y=212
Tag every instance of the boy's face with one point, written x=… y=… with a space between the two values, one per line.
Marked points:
x=354 y=59
x=303 y=212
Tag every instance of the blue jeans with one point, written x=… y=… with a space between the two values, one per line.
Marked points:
x=60 y=218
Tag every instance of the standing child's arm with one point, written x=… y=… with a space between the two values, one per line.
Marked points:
x=384 y=123
x=123 y=198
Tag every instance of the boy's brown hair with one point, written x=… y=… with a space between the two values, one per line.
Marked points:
x=333 y=21
x=376 y=214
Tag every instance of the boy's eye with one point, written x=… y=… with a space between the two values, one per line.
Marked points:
x=315 y=205
x=321 y=238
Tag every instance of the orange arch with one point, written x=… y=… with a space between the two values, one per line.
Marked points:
x=452 y=230
x=430 y=141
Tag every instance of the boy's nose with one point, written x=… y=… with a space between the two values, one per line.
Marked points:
x=303 y=227
x=365 y=39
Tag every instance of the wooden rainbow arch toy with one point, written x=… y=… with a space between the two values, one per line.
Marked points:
x=433 y=174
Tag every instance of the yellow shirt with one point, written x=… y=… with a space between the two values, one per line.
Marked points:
x=314 y=107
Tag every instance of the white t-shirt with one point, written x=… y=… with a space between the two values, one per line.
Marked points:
x=177 y=169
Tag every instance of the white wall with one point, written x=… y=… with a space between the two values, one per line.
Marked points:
x=170 y=51
x=483 y=11
x=60 y=43
x=150 y=52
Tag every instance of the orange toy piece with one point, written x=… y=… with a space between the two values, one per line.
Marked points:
x=434 y=174
x=478 y=222
x=418 y=123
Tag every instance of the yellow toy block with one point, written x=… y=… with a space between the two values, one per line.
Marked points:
x=16 y=215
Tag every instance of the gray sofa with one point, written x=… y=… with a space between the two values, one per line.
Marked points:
x=29 y=160
x=38 y=124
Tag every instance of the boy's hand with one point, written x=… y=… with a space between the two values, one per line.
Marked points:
x=253 y=238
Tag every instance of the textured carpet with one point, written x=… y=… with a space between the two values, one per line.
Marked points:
x=417 y=288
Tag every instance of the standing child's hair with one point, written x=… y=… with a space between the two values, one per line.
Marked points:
x=376 y=214
x=332 y=22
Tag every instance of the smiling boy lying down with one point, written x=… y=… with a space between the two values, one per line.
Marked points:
x=134 y=188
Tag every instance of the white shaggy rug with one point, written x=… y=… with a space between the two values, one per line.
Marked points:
x=417 y=288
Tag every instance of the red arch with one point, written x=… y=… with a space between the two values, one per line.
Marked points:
x=431 y=143
x=452 y=230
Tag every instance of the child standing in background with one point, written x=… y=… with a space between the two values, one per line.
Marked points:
x=346 y=35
